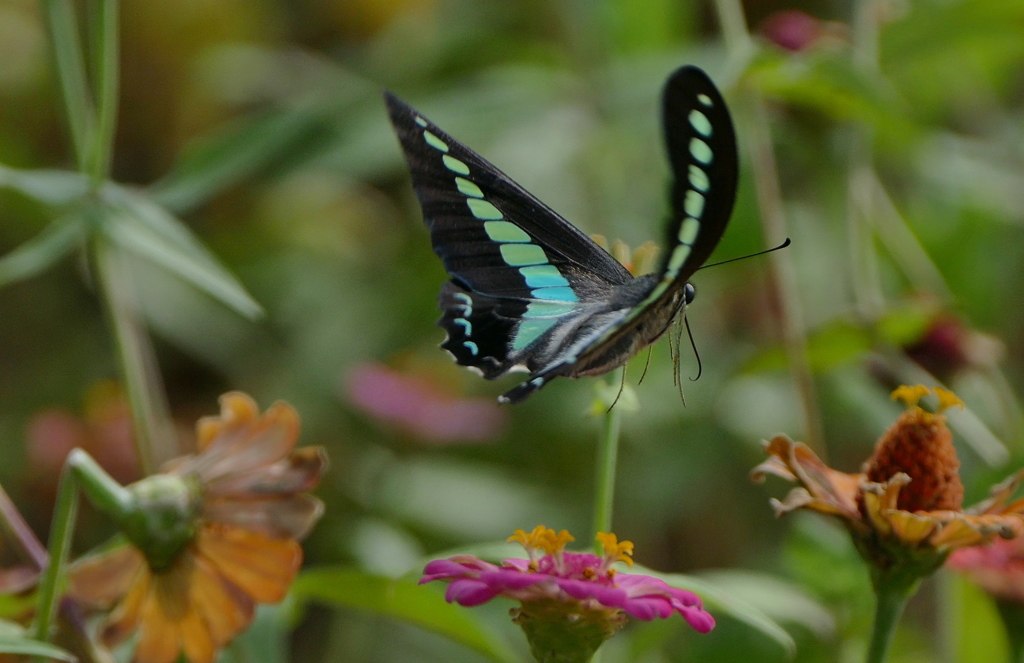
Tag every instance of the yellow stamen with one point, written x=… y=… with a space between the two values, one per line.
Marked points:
x=910 y=395
x=541 y=538
x=615 y=550
x=555 y=543
x=947 y=399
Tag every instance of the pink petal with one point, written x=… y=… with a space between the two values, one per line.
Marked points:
x=701 y=621
x=469 y=592
x=648 y=607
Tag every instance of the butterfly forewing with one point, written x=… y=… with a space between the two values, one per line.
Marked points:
x=701 y=146
x=519 y=271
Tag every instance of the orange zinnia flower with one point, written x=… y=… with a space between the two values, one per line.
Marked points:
x=212 y=536
x=904 y=510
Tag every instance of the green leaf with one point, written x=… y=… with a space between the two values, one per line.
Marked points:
x=400 y=599
x=13 y=641
x=152 y=233
x=727 y=599
x=43 y=250
x=68 y=55
x=52 y=187
x=231 y=155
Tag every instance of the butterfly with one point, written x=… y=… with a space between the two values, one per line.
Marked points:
x=529 y=292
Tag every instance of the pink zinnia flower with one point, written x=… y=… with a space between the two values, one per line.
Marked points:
x=572 y=588
x=997 y=568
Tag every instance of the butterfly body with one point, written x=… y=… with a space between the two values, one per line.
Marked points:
x=531 y=293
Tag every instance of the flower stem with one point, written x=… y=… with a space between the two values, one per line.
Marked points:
x=890 y=600
x=80 y=471
x=607 y=457
x=139 y=370
x=61 y=531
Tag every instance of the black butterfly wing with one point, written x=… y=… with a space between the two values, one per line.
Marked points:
x=519 y=271
x=701 y=145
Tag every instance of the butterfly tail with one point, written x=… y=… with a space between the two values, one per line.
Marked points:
x=523 y=390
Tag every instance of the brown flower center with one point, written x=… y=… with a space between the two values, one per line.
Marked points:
x=920 y=445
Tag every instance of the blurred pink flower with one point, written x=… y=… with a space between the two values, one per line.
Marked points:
x=792 y=29
x=581 y=581
x=998 y=568
x=421 y=407
x=104 y=431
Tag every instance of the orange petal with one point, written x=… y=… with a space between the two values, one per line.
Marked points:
x=159 y=639
x=195 y=638
x=300 y=471
x=225 y=611
x=872 y=506
x=959 y=533
x=103 y=579
x=244 y=445
x=286 y=517
x=909 y=527
x=262 y=567
x=236 y=411
x=125 y=619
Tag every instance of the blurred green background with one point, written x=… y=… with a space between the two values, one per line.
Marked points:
x=897 y=130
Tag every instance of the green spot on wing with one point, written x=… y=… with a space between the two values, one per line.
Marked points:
x=547 y=310
x=694 y=204
x=688 y=231
x=483 y=210
x=564 y=294
x=698 y=179
x=420 y=121
x=700 y=151
x=700 y=123
x=675 y=263
x=518 y=255
x=454 y=165
x=543 y=276
x=704 y=99
x=529 y=331
x=435 y=142
x=503 y=231
x=467 y=188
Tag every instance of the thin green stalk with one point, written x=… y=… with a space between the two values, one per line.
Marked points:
x=104 y=53
x=61 y=531
x=890 y=600
x=607 y=457
x=66 y=46
x=139 y=371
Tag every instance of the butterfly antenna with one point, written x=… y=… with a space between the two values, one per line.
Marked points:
x=752 y=255
x=693 y=344
x=646 y=365
x=622 y=385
